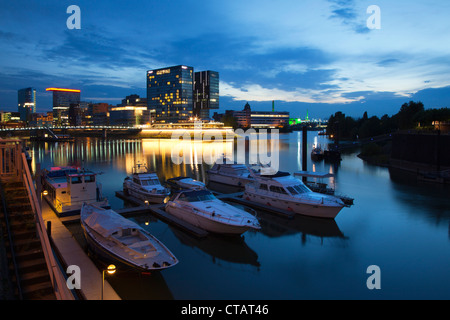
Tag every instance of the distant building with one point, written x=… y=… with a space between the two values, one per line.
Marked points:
x=129 y=116
x=26 y=100
x=269 y=120
x=134 y=100
x=259 y=119
x=62 y=100
x=206 y=93
x=42 y=119
x=170 y=93
x=243 y=118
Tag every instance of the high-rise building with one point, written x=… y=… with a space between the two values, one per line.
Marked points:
x=26 y=100
x=62 y=99
x=206 y=93
x=170 y=93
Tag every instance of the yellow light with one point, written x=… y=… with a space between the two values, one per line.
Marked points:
x=62 y=89
x=111 y=269
x=45 y=192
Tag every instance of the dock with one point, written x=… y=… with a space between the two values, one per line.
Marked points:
x=72 y=254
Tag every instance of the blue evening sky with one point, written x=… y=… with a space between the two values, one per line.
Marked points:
x=315 y=55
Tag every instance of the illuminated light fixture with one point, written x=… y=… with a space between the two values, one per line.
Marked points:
x=111 y=269
x=62 y=89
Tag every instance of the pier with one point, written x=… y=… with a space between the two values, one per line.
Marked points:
x=39 y=248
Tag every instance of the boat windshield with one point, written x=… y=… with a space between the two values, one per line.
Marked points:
x=150 y=182
x=298 y=189
x=196 y=196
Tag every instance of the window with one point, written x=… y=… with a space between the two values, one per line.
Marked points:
x=263 y=187
x=292 y=190
x=278 y=189
x=89 y=179
x=76 y=180
x=301 y=188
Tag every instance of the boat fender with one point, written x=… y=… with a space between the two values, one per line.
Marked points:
x=248 y=198
x=290 y=209
x=268 y=203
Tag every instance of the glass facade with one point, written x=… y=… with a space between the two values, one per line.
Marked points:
x=26 y=99
x=62 y=100
x=170 y=93
x=206 y=93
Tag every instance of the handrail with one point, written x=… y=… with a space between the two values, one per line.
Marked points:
x=58 y=280
x=13 y=254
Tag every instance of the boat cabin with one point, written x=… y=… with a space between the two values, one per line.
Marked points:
x=69 y=185
x=193 y=196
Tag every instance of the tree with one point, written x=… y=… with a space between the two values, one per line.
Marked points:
x=407 y=115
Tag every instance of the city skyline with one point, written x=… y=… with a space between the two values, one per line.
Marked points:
x=315 y=55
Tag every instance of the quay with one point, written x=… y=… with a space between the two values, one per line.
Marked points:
x=38 y=247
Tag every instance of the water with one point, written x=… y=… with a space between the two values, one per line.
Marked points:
x=397 y=223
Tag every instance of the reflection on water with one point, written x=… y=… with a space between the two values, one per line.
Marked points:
x=398 y=223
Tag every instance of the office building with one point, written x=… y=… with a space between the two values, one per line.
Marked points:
x=170 y=93
x=26 y=99
x=258 y=119
x=206 y=93
x=62 y=100
x=129 y=116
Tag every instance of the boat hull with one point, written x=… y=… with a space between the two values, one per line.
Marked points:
x=207 y=224
x=301 y=208
x=108 y=256
x=229 y=180
x=72 y=210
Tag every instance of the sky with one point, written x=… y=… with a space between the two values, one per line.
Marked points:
x=315 y=56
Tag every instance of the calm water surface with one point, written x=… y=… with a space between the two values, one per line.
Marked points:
x=397 y=223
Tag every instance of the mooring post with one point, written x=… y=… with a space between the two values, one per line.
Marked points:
x=304 y=150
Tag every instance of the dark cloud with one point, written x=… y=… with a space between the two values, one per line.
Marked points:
x=344 y=11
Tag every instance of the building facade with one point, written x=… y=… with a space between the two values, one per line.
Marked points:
x=170 y=93
x=129 y=116
x=206 y=93
x=26 y=100
x=62 y=100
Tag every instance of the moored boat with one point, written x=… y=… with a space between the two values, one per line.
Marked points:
x=233 y=174
x=119 y=240
x=145 y=186
x=286 y=192
x=202 y=209
x=67 y=188
x=185 y=183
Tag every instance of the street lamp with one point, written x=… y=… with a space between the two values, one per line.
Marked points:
x=111 y=269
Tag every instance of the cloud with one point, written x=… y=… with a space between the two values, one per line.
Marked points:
x=256 y=92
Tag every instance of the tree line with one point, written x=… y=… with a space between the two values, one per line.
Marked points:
x=411 y=116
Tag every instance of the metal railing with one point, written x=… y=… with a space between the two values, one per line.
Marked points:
x=58 y=280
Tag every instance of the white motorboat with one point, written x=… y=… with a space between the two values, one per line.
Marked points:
x=230 y=174
x=202 y=209
x=286 y=192
x=119 y=240
x=145 y=186
x=185 y=183
x=66 y=188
